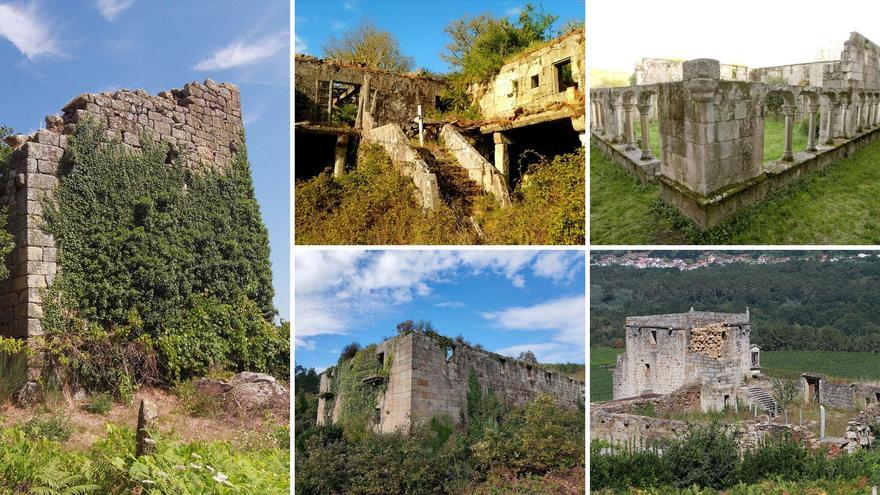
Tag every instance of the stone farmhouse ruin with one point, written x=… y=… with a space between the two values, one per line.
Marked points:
x=711 y=125
x=201 y=123
x=703 y=361
x=705 y=354
x=427 y=380
x=535 y=102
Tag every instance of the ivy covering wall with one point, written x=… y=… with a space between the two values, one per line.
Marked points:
x=154 y=253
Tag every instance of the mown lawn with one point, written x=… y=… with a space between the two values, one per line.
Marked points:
x=835 y=206
x=855 y=366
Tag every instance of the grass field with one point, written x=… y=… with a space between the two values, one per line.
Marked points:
x=855 y=366
x=835 y=206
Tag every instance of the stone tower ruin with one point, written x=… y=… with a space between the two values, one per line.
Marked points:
x=201 y=123
x=707 y=351
x=427 y=379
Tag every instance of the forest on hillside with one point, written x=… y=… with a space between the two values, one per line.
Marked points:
x=799 y=305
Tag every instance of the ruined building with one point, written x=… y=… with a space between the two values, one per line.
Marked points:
x=712 y=128
x=706 y=354
x=428 y=378
x=201 y=122
x=535 y=102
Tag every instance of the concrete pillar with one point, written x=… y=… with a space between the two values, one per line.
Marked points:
x=644 y=112
x=821 y=422
x=789 y=111
x=502 y=154
x=629 y=127
x=341 y=154
x=811 y=128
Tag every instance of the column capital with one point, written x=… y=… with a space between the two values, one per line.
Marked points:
x=813 y=107
x=628 y=106
x=644 y=108
x=789 y=110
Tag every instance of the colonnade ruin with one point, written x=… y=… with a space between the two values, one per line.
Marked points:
x=711 y=129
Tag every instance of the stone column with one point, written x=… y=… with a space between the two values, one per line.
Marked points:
x=341 y=154
x=502 y=154
x=811 y=128
x=644 y=112
x=617 y=108
x=629 y=127
x=789 y=111
x=831 y=107
x=844 y=108
x=857 y=112
x=600 y=117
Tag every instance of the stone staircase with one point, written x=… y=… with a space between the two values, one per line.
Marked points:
x=456 y=189
x=764 y=399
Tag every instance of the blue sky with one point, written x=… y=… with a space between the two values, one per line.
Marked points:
x=418 y=25
x=508 y=301
x=53 y=50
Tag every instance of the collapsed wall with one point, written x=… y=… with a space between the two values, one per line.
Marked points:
x=430 y=378
x=382 y=97
x=667 y=352
x=201 y=123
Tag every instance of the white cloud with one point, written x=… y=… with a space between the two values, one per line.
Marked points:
x=25 y=28
x=335 y=289
x=337 y=25
x=351 y=5
x=514 y=11
x=556 y=265
x=450 y=304
x=564 y=318
x=242 y=53
x=110 y=9
x=299 y=45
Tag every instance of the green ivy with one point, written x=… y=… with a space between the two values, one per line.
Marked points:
x=359 y=398
x=152 y=252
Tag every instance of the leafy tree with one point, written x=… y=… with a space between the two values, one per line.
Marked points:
x=785 y=392
x=528 y=356
x=707 y=457
x=480 y=44
x=774 y=102
x=348 y=352
x=5 y=149
x=367 y=44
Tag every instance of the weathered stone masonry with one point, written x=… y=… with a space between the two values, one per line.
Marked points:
x=667 y=352
x=201 y=122
x=427 y=380
x=712 y=129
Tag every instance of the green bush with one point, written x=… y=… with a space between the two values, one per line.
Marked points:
x=13 y=368
x=548 y=207
x=99 y=403
x=372 y=204
x=705 y=456
x=536 y=439
x=50 y=427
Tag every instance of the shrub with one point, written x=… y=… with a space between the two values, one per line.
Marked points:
x=99 y=403
x=620 y=469
x=780 y=457
x=536 y=439
x=372 y=204
x=706 y=456
x=348 y=352
x=195 y=403
x=548 y=208
x=50 y=427
x=13 y=368
x=214 y=334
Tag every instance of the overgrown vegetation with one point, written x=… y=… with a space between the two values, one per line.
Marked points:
x=374 y=204
x=41 y=465
x=480 y=45
x=366 y=44
x=548 y=206
x=707 y=457
x=164 y=272
x=539 y=447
